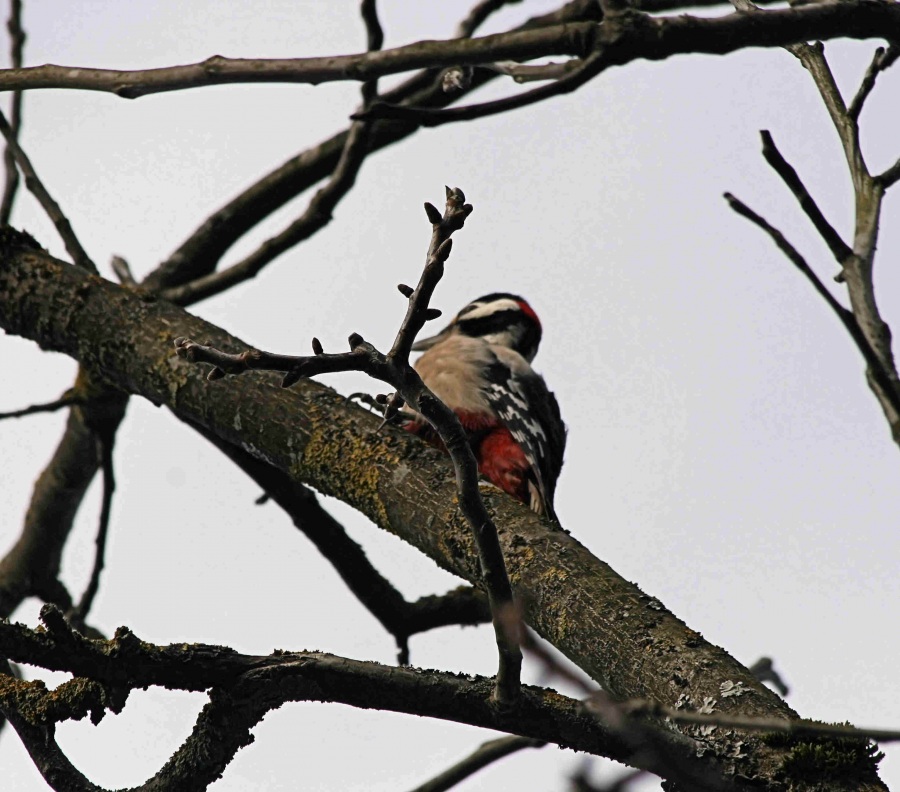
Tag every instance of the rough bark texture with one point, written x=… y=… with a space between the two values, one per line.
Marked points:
x=623 y=638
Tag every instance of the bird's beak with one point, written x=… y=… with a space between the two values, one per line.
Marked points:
x=426 y=343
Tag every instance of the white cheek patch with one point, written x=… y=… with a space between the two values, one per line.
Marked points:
x=486 y=309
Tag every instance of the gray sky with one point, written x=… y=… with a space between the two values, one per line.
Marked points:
x=724 y=451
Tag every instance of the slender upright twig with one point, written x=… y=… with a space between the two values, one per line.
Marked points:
x=17 y=43
x=82 y=609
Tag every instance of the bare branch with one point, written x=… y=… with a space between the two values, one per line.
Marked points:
x=80 y=612
x=848 y=319
x=882 y=61
x=487 y=753
x=523 y=72
x=633 y=36
x=122 y=271
x=317 y=215
x=839 y=249
x=17 y=40
x=402 y=619
x=319 y=212
x=812 y=56
x=575 y=78
x=394 y=369
x=200 y=253
x=66 y=400
x=890 y=176
x=37 y=188
x=266 y=682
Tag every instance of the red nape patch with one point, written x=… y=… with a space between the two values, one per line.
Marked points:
x=502 y=462
x=529 y=312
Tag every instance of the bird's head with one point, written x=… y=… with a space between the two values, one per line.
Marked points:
x=499 y=318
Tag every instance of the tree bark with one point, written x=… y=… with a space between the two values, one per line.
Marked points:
x=625 y=639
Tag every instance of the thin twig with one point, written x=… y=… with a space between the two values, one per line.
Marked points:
x=317 y=215
x=401 y=618
x=764 y=670
x=374 y=42
x=66 y=400
x=847 y=317
x=890 y=176
x=37 y=188
x=395 y=369
x=122 y=271
x=839 y=249
x=431 y=117
x=479 y=14
x=882 y=61
x=199 y=254
x=486 y=753
x=17 y=43
x=813 y=59
x=80 y=611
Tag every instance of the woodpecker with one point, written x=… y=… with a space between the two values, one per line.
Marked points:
x=480 y=367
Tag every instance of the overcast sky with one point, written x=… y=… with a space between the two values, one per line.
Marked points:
x=724 y=450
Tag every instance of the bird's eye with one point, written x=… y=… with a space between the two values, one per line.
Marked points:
x=469 y=308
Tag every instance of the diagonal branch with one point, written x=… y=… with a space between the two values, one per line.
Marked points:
x=37 y=188
x=402 y=619
x=199 y=254
x=486 y=753
x=79 y=613
x=882 y=376
x=839 y=249
x=319 y=212
x=882 y=61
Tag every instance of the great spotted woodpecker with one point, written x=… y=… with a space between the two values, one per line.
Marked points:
x=480 y=367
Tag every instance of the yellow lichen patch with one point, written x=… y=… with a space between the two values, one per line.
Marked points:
x=346 y=463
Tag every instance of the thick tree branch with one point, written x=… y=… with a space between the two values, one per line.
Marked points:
x=258 y=684
x=626 y=639
x=628 y=37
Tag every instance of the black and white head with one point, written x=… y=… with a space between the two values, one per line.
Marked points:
x=502 y=319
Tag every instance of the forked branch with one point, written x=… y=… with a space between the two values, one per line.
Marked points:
x=394 y=368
